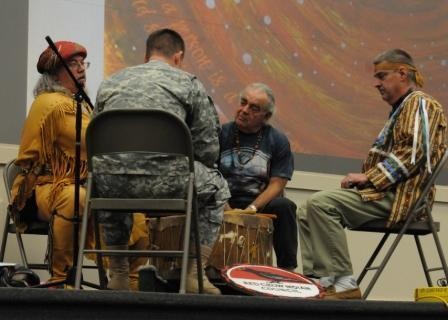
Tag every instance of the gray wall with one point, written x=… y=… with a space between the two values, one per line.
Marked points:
x=13 y=75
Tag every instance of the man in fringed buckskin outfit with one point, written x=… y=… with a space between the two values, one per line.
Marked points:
x=47 y=158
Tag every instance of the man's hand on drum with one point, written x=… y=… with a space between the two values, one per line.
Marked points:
x=248 y=210
x=227 y=207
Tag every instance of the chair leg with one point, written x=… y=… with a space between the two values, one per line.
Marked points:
x=82 y=240
x=191 y=211
x=423 y=260
x=372 y=258
x=102 y=276
x=439 y=247
x=19 y=243
x=441 y=255
x=21 y=249
x=4 y=238
x=382 y=265
x=185 y=255
x=82 y=244
x=197 y=243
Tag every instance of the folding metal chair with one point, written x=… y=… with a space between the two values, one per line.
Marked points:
x=410 y=227
x=34 y=227
x=10 y=171
x=154 y=131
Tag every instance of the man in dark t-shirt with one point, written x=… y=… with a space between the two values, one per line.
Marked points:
x=257 y=162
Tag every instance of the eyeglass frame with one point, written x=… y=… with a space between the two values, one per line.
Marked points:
x=73 y=64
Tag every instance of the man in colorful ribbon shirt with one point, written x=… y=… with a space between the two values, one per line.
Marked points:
x=411 y=143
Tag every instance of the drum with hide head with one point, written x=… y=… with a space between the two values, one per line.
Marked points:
x=243 y=238
x=166 y=233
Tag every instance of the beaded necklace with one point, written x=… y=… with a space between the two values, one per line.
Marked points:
x=237 y=145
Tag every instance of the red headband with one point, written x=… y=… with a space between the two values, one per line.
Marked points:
x=386 y=65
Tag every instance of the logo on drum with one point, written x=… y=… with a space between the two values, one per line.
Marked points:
x=270 y=281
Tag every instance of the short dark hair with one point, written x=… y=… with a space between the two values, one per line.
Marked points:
x=164 y=41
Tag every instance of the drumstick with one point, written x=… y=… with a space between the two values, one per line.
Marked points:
x=267 y=215
x=239 y=211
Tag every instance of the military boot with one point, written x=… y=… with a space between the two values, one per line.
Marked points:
x=192 y=274
x=118 y=270
x=135 y=263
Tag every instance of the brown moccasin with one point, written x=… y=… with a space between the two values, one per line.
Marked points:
x=331 y=294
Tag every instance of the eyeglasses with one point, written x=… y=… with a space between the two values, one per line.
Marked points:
x=74 y=64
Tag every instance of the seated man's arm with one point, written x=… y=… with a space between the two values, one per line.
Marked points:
x=400 y=163
x=204 y=126
x=274 y=189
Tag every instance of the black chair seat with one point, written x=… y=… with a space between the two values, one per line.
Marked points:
x=414 y=228
x=36 y=228
x=10 y=171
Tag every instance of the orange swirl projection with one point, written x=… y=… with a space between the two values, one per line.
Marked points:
x=315 y=54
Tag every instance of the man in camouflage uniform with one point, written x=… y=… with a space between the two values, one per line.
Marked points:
x=160 y=84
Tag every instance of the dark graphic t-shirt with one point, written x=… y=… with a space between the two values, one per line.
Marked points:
x=248 y=169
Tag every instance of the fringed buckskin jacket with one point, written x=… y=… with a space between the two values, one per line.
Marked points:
x=47 y=147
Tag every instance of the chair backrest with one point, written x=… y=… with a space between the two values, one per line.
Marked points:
x=10 y=171
x=134 y=130
x=141 y=130
x=422 y=200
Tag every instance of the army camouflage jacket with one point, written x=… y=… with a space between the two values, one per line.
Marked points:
x=157 y=85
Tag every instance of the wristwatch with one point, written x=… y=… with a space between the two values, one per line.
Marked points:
x=252 y=207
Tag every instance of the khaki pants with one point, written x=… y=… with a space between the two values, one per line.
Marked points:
x=322 y=220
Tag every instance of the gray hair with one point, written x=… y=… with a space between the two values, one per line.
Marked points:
x=397 y=56
x=270 y=107
x=47 y=83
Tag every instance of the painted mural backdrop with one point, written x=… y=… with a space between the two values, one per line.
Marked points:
x=315 y=54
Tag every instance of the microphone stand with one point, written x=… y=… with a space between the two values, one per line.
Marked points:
x=79 y=97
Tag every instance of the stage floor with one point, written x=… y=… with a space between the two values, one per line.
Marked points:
x=18 y=303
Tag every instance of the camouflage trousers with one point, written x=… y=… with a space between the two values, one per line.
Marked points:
x=212 y=194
